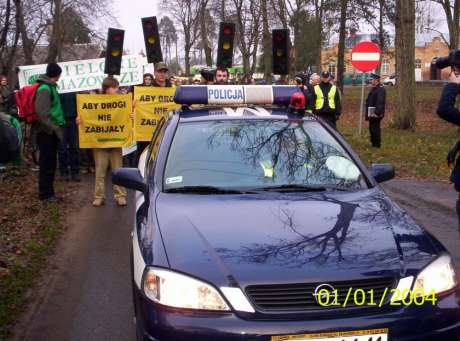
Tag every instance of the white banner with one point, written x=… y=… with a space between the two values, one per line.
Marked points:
x=81 y=75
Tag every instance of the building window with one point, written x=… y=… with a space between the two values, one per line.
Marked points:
x=331 y=68
x=385 y=67
x=418 y=63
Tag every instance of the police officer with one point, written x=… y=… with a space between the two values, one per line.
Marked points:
x=448 y=111
x=375 y=109
x=327 y=100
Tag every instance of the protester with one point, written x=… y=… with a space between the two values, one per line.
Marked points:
x=161 y=80
x=148 y=79
x=9 y=140
x=5 y=95
x=68 y=152
x=221 y=76
x=103 y=157
x=327 y=100
x=196 y=80
x=161 y=75
x=48 y=130
x=375 y=109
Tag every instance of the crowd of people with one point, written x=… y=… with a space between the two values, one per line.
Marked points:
x=52 y=140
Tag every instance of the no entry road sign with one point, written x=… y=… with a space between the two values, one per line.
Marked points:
x=365 y=56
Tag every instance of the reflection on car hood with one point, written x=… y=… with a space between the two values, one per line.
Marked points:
x=290 y=238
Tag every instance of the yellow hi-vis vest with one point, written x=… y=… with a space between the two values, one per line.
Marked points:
x=320 y=97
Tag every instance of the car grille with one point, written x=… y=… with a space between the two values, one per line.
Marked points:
x=299 y=297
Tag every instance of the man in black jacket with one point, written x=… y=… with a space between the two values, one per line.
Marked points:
x=375 y=109
x=327 y=100
x=448 y=112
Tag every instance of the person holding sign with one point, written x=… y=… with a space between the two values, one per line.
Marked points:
x=106 y=127
x=161 y=80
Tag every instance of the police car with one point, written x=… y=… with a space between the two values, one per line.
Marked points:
x=257 y=221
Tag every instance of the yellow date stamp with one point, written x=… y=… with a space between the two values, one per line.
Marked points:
x=327 y=297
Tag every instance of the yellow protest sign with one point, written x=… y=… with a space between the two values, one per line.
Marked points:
x=152 y=103
x=105 y=120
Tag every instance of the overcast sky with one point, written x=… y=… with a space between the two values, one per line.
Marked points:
x=129 y=14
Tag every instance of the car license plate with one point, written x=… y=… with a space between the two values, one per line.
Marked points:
x=356 y=335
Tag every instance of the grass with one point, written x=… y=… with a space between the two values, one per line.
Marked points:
x=415 y=154
x=29 y=230
x=419 y=153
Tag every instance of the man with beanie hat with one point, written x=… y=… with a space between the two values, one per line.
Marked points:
x=48 y=130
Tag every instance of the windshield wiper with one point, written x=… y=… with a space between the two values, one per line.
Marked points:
x=301 y=188
x=206 y=190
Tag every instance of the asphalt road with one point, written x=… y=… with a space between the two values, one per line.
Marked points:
x=86 y=293
x=88 y=296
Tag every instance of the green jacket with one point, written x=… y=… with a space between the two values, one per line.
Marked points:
x=48 y=107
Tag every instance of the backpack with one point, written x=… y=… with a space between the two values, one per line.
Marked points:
x=25 y=101
x=9 y=141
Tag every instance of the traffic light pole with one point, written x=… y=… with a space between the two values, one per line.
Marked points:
x=361 y=110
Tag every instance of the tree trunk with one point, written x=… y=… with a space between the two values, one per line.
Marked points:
x=405 y=64
x=27 y=43
x=187 y=60
x=222 y=10
x=177 y=55
x=266 y=43
x=341 y=52
x=452 y=19
x=6 y=26
x=55 y=41
x=254 y=55
x=282 y=13
x=381 y=33
x=204 y=34
x=319 y=11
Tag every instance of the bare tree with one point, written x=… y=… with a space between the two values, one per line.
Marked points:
x=248 y=28
x=168 y=36
x=405 y=64
x=185 y=12
x=452 y=12
x=266 y=42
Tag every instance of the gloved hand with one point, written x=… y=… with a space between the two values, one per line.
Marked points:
x=452 y=154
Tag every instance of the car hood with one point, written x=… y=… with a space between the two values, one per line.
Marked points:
x=275 y=238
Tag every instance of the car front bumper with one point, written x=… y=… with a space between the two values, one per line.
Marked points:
x=414 y=323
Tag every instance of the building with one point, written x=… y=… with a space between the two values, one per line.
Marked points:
x=427 y=48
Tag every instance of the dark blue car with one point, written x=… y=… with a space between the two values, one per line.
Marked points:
x=257 y=223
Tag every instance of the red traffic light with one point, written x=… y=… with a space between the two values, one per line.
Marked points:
x=228 y=30
x=117 y=37
x=279 y=36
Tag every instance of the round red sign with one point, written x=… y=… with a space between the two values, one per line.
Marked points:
x=365 y=56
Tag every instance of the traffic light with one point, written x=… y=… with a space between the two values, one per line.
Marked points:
x=114 y=51
x=152 y=40
x=280 y=50
x=225 y=49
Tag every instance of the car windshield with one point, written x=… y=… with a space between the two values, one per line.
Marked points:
x=258 y=154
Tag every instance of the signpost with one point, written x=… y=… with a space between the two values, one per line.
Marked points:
x=365 y=56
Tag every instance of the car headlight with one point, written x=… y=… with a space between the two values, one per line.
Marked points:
x=437 y=277
x=180 y=291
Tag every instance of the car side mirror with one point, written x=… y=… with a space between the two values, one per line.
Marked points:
x=382 y=171
x=130 y=178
